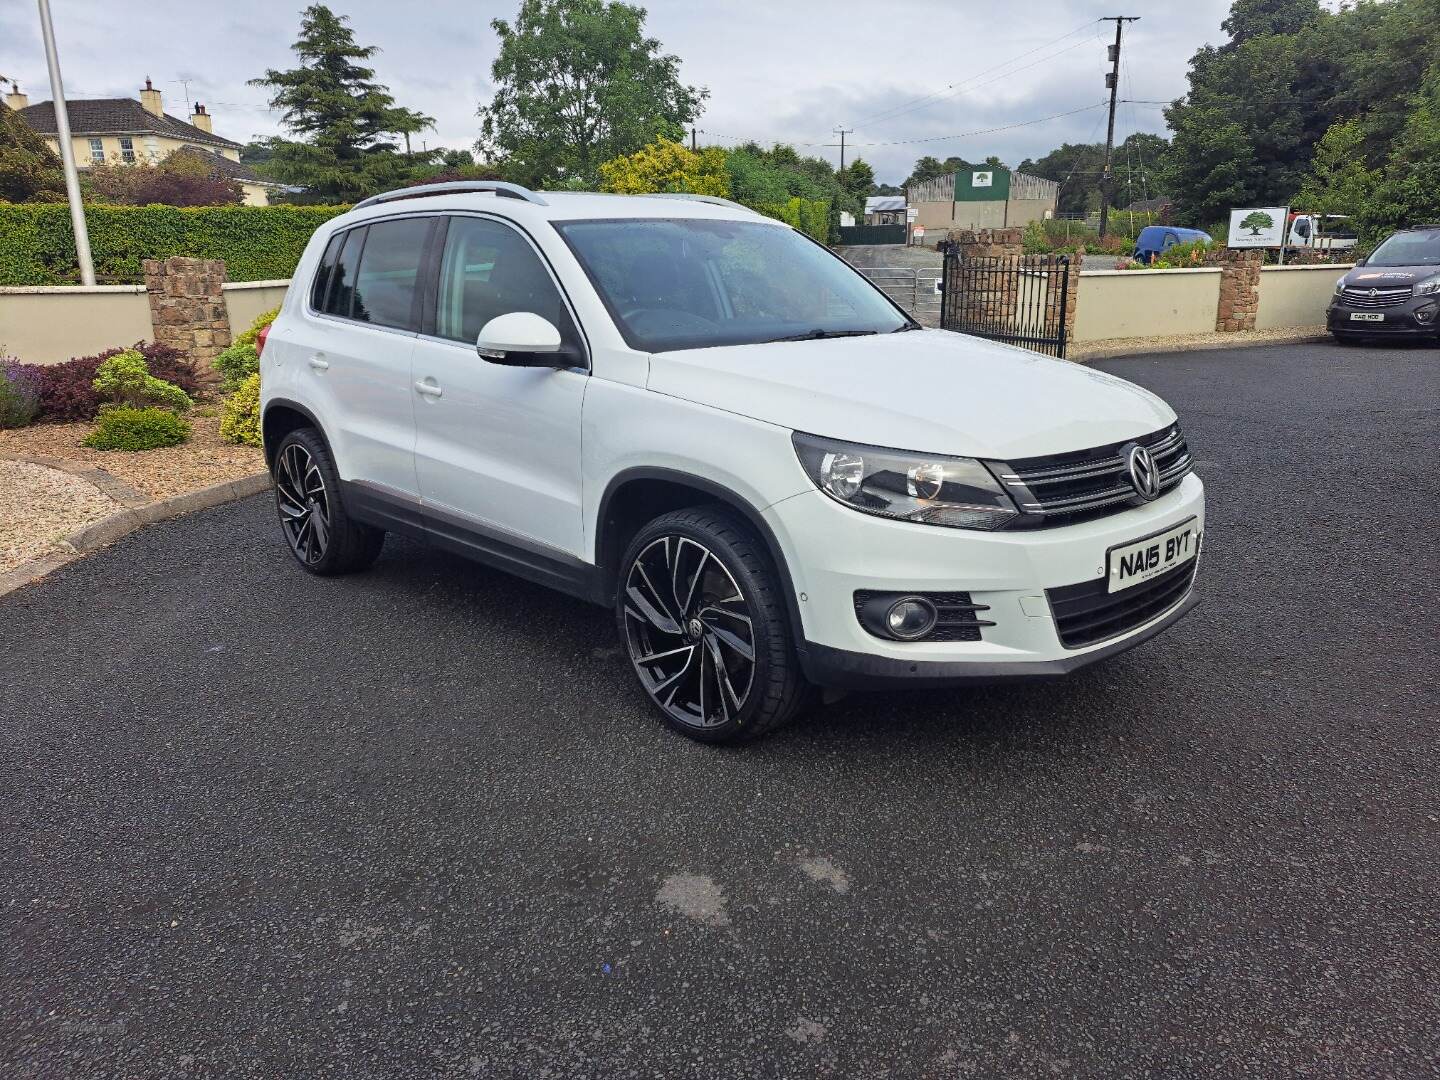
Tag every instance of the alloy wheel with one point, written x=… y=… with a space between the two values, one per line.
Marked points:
x=690 y=632
x=303 y=502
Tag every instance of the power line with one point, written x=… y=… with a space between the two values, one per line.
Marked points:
x=919 y=102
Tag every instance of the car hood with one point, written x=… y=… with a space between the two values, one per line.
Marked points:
x=931 y=391
x=1378 y=277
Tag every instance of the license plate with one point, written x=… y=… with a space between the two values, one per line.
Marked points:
x=1138 y=562
x=1366 y=316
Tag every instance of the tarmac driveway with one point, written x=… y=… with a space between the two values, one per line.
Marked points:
x=418 y=822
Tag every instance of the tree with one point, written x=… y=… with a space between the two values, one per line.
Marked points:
x=578 y=83
x=1339 y=182
x=1254 y=18
x=29 y=170
x=1408 y=192
x=931 y=168
x=857 y=179
x=667 y=166
x=344 y=119
x=185 y=178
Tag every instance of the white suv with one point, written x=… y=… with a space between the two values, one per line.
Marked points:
x=707 y=421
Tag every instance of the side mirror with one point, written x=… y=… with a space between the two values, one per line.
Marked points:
x=522 y=339
x=1362 y=260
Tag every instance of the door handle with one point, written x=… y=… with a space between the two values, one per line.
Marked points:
x=429 y=388
x=319 y=363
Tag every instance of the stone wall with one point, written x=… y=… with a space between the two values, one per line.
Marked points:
x=187 y=307
x=1239 y=287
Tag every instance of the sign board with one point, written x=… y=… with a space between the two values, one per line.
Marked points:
x=1257 y=227
x=982 y=185
x=982 y=179
x=918 y=232
x=912 y=213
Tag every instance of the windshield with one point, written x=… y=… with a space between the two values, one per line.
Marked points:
x=686 y=284
x=1414 y=247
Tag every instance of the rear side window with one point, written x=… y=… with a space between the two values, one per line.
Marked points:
x=341 y=291
x=323 y=275
x=389 y=273
x=488 y=269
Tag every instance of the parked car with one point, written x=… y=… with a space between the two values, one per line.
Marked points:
x=1154 y=240
x=1392 y=293
x=706 y=421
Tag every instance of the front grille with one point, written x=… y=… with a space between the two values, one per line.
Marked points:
x=1359 y=297
x=958 y=615
x=1086 y=613
x=1061 y=489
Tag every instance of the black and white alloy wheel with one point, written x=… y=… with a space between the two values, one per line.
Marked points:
x=303 y=502
x=322 y=536
x=690 y=632
x=701 y=610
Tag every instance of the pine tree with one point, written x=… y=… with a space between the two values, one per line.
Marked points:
x=346 y=122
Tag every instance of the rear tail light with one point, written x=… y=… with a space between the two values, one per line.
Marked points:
x=260 y=339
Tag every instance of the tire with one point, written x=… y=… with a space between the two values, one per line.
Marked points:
x=720 y=576
x=321 y=535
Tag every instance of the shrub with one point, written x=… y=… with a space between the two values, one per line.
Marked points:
x=19 y=393
x=236 y=364
x=67 y=391
x=264 y=319
x=125 y=379
x=37 y=246
x=240 y=422
x=1177 y=257
x=125 y=428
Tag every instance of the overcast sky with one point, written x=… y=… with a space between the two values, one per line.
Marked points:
x=780 y=70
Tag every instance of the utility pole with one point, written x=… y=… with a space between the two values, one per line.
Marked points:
x=1112 y=80
x=842 y=132
x=693 y=147
x=67 y=152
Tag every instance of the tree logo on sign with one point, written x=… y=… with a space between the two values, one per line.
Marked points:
x=1257 y=221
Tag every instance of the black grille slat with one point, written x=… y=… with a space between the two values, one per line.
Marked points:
x=1087 y=613
x=1066 y=487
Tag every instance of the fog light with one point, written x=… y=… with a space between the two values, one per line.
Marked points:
x=1425 y=314
x=910 y=618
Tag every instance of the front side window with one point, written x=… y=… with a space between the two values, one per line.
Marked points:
x=127 y=150
x=389 y=270
x=690 y=283
x=487 y=270
x=97 y=151
x=1414 y=247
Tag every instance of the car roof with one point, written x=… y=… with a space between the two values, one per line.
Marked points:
x=557 y=206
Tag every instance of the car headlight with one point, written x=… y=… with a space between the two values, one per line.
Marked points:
x=1339 y=286
x=1429 y=287
x=928 y=488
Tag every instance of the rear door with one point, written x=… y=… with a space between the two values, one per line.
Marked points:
x=356 y=362
x=497 y=447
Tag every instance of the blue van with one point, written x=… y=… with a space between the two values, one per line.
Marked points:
x=1154 y=239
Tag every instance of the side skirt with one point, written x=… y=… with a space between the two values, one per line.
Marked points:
x=503 y=551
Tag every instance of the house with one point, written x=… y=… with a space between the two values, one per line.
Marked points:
x=981 y=198
x=127 y=131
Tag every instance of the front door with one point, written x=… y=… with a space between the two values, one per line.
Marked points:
x=497 y=447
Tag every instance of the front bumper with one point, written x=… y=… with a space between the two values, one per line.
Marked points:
x=832 y=551
x=1399 y=321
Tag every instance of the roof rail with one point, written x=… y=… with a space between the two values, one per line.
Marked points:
x=714 y=200
x=497 y=188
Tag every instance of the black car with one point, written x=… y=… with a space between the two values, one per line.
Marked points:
x=1393 y=293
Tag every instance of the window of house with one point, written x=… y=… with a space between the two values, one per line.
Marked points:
x=127 y=149
x=385 y=285
x=152 y=149
x=97 y=151
x=487 y=270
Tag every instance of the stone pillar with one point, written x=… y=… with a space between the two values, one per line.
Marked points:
x=989 y=299
x=988 y=243
x=187 y=308
x=1239 y=288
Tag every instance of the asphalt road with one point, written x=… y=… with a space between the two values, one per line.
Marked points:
x=418 y=822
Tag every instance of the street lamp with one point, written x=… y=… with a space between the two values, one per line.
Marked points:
x=67 y=152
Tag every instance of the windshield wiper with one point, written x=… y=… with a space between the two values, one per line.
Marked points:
x=819 y=332
x=907 y=326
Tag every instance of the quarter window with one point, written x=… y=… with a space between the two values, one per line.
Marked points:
x=487 y=270
x=325 y=272
x=341 y=295
x=385 y=287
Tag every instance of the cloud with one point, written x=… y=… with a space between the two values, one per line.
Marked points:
x=789 y=72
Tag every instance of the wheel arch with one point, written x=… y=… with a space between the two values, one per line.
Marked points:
x=636 y=496
x=282 y=416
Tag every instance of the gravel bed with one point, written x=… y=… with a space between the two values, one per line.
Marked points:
x=40 y=506
x=204 y=460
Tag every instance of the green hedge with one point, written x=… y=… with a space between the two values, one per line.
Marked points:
x=37 y=245
x=810 y=216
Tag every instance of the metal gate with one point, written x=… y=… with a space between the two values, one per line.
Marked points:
x=1018 y=299
x=914 y=288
